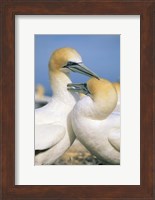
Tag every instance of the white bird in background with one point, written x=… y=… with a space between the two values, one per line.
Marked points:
x=93 y=120
x=53 y=130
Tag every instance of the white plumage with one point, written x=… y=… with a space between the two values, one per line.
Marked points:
x=53 y=129
x=94 y=122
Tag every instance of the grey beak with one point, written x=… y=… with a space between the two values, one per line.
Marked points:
x=82 y=69
x=78 y=87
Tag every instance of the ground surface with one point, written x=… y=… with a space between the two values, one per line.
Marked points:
x=78 y=155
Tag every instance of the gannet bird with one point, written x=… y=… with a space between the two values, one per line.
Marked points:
x=53 y=130
x=93 y=120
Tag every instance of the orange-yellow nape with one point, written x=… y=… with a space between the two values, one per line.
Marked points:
x=60 y=57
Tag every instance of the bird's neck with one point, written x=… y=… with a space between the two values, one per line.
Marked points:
x=59 y=81
x=97 y=109
x=103 y=107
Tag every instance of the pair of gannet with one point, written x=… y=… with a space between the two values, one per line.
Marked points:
x=96 y=120
x=53 y=129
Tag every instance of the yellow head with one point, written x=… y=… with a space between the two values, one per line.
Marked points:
x=101 y=89
x=61 y=57
x=66 y=60
x=103 y=95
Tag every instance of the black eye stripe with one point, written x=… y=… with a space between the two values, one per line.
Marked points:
x=70 y=63
x=85 y=85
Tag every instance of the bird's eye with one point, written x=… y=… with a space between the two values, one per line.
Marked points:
x=85 y=85
x=86 y=88
x=71 y=63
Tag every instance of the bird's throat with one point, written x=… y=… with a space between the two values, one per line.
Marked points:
x=59 y=81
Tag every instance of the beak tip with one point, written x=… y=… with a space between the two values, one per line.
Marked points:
x=97 y=77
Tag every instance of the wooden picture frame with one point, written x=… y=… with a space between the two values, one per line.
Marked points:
x=8 y=10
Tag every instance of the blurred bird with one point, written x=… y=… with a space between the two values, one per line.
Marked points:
x=53 y=130
x=93 y=120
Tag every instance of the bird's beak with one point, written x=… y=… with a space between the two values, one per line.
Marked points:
x=82 y=69
x=78 y=87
